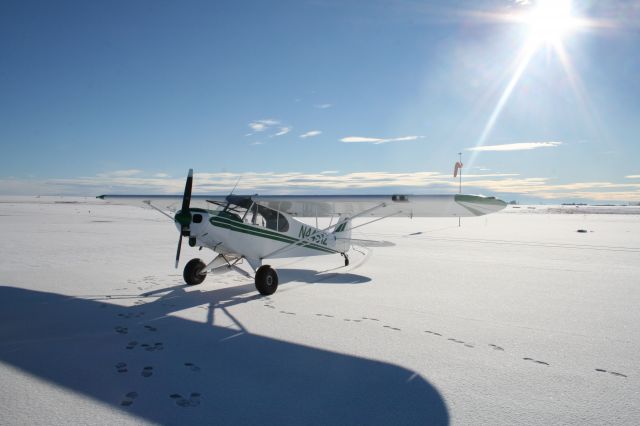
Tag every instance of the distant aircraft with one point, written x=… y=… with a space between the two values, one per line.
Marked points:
x=258 y=228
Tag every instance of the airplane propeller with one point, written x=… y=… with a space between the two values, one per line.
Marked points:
x=183 y=217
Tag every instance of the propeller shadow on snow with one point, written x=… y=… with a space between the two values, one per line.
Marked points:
x=169 y=370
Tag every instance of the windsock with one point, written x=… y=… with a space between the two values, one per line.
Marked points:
x=456 y=168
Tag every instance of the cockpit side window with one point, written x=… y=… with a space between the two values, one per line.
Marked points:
x=248 y=211
x=274 y=219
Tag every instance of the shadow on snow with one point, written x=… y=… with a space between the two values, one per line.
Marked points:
x=201 y=372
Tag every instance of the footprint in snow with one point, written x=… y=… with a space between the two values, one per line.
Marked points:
x=611 y=372
x=128 y=398
x=147 y=371
x=617 y=374
x=192 y=401
x=121 y=367
x=433 y=332
x=536 y=361
x=191 y=366
x=157 y=346
x=150 y=328
x=121 y=330
x=132 y=344
x=131 y=315
x=496 y=347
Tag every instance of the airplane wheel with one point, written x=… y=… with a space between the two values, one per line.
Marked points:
x=266 y=280
x=191 y=274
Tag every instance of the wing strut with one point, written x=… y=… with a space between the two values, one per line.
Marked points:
x=375 y=220
x=148 y=202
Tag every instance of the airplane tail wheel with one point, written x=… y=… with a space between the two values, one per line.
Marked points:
x=192 y=272
x=266 y=280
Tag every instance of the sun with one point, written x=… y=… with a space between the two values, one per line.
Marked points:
x=550 y=21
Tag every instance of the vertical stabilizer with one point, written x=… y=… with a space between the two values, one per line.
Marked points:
x=342 y=232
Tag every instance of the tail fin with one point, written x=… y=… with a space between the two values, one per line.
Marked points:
x=342 y=232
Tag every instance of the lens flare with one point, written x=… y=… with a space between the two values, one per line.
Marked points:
x=550 y=21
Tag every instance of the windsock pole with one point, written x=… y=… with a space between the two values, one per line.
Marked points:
x=460 y=157
x=460 y=189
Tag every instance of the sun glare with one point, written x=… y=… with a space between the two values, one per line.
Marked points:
x=550 y=21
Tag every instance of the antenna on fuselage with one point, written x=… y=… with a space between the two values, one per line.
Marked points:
x=235 y=186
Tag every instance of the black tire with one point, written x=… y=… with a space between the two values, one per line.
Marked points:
x=191 y=274
x=266 y=280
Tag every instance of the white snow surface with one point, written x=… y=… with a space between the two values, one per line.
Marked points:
x=508 y=319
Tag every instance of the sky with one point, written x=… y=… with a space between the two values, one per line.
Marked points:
x=321 y=97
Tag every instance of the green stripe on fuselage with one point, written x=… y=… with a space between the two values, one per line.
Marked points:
x=232 y=225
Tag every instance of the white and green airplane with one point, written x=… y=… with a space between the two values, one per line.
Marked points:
x=259 y=228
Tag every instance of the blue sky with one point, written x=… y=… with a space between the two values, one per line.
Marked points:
x=318 y=97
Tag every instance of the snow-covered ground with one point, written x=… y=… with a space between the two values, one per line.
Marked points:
x=508 y=319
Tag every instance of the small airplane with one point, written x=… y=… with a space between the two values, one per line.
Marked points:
x=259 y=228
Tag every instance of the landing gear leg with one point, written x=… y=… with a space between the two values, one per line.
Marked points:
x=346 y=259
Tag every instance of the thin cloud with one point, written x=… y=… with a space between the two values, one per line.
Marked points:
x=283 y=131
x=310 y=134
x=377 y=141
x=323 y=106
x=524 y=146
x=161 y=175
x=633 y=177
x=120 y=173
x=262 y=125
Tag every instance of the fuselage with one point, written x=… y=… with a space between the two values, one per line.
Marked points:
x=260 y=234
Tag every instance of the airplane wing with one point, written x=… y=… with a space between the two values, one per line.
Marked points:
x=454 y=205
x=165 y=202
x=450 y=205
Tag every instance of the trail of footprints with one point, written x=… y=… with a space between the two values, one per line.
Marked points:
x=493 y=346
x=194 y=398
x=192 y=401
x=149 y=347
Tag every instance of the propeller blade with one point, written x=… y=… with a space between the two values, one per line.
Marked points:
x=186 y=199
x=183 y=217
x=178 y=252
